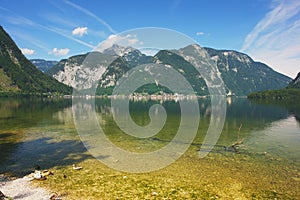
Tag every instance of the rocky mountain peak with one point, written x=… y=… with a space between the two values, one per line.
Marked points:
x=118 y=50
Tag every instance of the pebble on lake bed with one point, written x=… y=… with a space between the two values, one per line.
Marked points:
x=154 y=194
x=76 y=167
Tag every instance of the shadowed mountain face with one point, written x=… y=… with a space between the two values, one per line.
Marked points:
x=43 y=65
x=17 y=74
x=295 y=83
x=239 y=72
x=242 y=75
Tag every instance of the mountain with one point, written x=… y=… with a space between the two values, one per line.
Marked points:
x=239 y=72
x=121 y=58
x=170 y=58
x=242 y=75
x=65 y=70
x=61 y=65
x=17 y=74
x=295 y=83
x=43 y=65
x=127 y=59
x=289 y=94
x=118 y=50
x=79 y=74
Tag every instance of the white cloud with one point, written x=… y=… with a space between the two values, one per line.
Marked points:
x=26 y=51
x=62 y=33
x=16 y=19
x=80 y=31
x=60 y=52
x=200 y=33
x=275 y=39
x=122 y=40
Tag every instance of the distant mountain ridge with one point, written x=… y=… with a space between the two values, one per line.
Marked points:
x=239 y=72
x=43 y=65
x=17 y=74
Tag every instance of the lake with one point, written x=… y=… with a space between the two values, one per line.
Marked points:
x=266 y=165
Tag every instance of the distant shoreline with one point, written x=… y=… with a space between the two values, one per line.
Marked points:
x=25 y=94
x=138 y=97
x=286 y=94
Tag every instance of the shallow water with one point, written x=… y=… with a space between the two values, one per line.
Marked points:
x=42 y=132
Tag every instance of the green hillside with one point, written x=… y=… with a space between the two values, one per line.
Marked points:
x=17 y=74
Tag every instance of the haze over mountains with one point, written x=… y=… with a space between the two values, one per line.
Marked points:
x=43 y=65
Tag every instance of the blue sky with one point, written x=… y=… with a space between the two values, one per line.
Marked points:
x=267 y=30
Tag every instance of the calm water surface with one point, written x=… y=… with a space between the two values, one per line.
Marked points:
x=42 y=132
